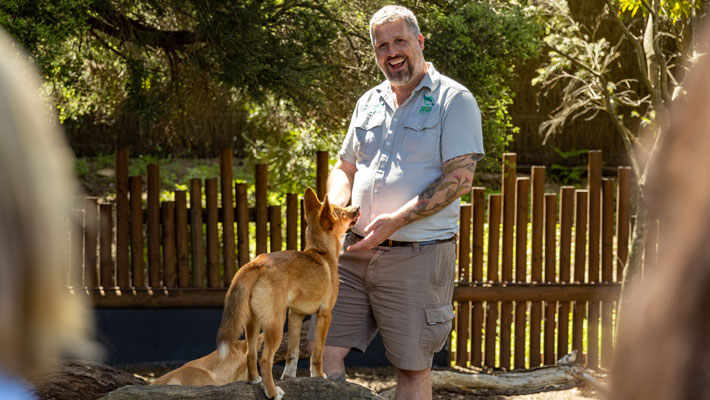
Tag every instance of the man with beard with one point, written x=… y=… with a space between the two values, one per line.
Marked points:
x=409 y=154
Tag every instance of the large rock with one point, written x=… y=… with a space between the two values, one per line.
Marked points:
x=296 y=388
x=83 y=380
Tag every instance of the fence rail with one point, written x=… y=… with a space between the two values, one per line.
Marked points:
x=538 y=273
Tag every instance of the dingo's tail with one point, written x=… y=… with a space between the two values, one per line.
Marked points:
x=236 y=313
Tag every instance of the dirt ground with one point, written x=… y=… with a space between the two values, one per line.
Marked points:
x=380 y=379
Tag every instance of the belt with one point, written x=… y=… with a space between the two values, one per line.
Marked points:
x=396 y=243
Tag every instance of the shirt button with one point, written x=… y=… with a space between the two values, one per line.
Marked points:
x=395 y=119
x=389 y=131
x=389 y=143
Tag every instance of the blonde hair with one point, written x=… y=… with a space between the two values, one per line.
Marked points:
x=39 y=319
x=394 y=13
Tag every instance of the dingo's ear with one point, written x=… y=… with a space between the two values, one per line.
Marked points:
x=327 y=219
x=311 y=202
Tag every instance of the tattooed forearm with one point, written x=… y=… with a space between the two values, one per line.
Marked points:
x=455 y=181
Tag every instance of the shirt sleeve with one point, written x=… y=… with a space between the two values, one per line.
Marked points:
x=348 y=151
x=461 y=131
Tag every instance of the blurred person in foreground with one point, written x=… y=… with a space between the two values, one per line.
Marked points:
x=663 y=346
x=40 y=321
x=408 y=156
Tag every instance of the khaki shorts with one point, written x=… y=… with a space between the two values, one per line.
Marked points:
x=404 y=292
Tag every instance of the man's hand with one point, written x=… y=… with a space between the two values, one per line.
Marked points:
x=379 y=230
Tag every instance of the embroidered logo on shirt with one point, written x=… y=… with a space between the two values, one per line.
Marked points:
x=427 y=105
x=371 y=109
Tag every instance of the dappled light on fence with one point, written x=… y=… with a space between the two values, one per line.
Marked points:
x=538 y=275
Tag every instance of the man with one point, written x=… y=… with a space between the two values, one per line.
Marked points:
x=409 y=154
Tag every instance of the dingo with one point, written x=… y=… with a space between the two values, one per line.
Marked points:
x=305 y=282
x=212 y=370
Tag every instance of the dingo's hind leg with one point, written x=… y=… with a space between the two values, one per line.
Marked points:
x=252 y=334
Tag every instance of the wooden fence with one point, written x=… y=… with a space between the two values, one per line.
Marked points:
x=535 y=297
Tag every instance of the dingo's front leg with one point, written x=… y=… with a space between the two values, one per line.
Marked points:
x=322 y=325
x=295 y=321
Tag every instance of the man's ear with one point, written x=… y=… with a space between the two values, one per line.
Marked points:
x=327 y=220
x=311 y=202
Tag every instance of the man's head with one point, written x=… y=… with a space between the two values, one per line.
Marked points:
x=398 y=45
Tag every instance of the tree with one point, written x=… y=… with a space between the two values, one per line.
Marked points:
x=275 y=79
x=587 y=61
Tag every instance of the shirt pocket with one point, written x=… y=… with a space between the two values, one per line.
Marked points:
x=368 y=130
x=420 y=141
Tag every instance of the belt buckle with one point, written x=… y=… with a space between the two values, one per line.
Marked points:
x=389 y=243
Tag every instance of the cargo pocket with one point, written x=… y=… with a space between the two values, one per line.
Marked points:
x=438 y=326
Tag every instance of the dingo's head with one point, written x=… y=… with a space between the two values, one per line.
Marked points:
x=328 y=217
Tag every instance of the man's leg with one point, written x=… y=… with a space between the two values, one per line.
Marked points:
x=333 y=360
x=413 y=385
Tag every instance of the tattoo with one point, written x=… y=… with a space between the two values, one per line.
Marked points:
x=455 y=181
x=337 y=376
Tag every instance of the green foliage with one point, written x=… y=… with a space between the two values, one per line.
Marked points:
x=275 y=80
x=568 y=175
x=478 y=45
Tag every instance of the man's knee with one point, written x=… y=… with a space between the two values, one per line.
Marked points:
x=413 y=375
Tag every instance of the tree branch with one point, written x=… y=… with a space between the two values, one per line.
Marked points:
x=113 y=23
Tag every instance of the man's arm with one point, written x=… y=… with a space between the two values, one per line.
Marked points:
x=340 y=182
x=456 y=180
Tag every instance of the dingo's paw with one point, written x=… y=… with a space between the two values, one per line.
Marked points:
x=289 y=372
x=256 y=381
x=279 y=394
x=315 y=374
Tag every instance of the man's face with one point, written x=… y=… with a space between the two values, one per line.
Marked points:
x=399 y=53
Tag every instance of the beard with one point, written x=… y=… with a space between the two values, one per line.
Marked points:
x=400 y=77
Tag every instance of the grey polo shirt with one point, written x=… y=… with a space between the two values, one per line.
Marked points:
x=399 y=152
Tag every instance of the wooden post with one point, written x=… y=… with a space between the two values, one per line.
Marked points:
x=242 y=224
x=321 y=173
x=136 y=204
x=506 y=309
x=464 y=272
x=538 y=210
x=225 y=167
x=594 y=220
x=262 y=207
x=91 y=222
x=607 y=349
x=623 y=220
x=169 y=250
x=580 y=241
x=566 y=222
x=181 y=239
x=291 y=221
x=196 y=226
x=521 y=265
x=304 y=225
x=76 y=234
x=494 y=217
x=275 y=237
x=550 y=274
x=479 y=210
x=153 y=225
x=122 y=217
x=106 y=240
x=212 y=233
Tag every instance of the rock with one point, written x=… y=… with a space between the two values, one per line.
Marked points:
x=296 y=388
x=83 y=380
